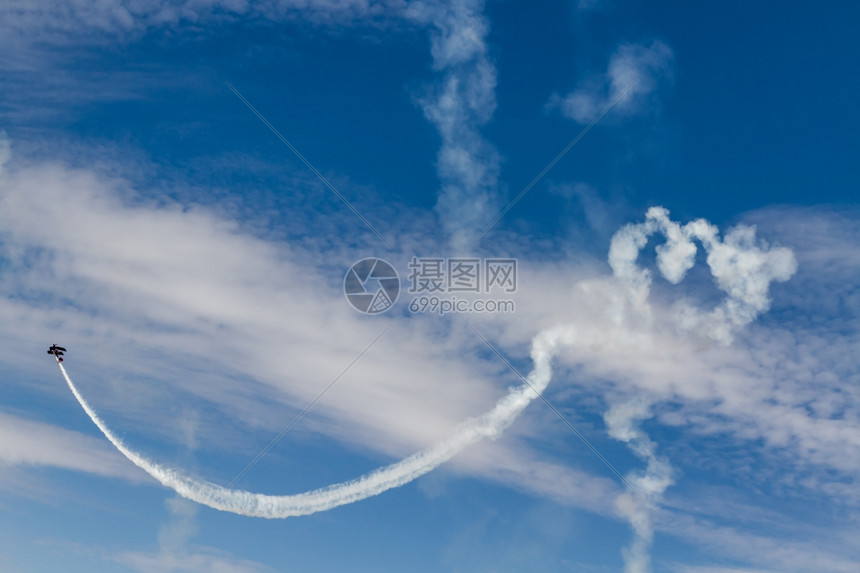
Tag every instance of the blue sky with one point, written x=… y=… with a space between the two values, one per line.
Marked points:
x=194 y=268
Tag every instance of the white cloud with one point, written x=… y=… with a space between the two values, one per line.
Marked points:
x=47 y=44
x=706 y=569
x=638 y=67
x=218 y=301
x=181 y=527
x=458 y=104
x=30 y=443
x=828 y=550
x=510 y=463
x=80 y=21
x=199 y=560
x=158 y=280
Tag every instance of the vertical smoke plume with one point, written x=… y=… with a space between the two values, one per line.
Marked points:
x=464 y=100
x=743 y=269
x=622 y=422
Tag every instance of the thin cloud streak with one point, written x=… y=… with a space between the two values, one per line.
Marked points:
x=29 y=443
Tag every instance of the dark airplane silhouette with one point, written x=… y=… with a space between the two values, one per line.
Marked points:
x=57 y=351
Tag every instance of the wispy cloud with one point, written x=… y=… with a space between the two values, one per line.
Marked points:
x=31 y=443
x=198 y=560
x=79 y=21
x=79 y=231
x=829 y=549
x=181 y=527
x=458 y=103
x=52 y=64
x=641 y=67
x=218 y=301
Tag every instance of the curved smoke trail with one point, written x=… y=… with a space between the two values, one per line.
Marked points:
x=490 y=425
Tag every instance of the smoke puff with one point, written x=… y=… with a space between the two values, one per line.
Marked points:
x=742 y=267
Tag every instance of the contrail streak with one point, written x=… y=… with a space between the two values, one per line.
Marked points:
x=251 y=504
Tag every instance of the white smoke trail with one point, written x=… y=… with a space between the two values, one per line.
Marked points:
x=623 y=424
x=742 y=269
x=490 y=425
x=637 y=66
x=464 y=100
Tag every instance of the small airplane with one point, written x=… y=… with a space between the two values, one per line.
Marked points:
x=57 y=351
